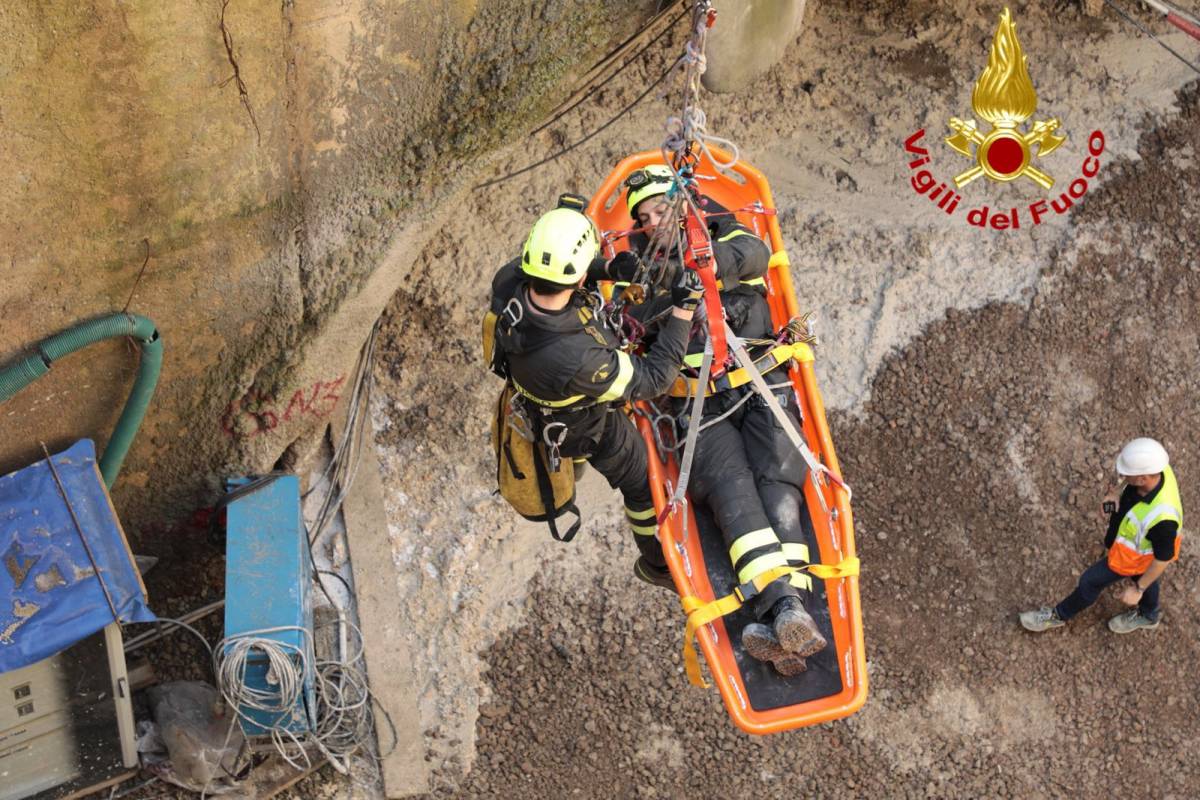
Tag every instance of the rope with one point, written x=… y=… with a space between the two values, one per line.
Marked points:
x=591 y=91
x=708 y=424
x=584 y=140
x=1160 y=42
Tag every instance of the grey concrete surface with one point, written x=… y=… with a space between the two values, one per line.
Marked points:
x=405 y=771
x=749 y=37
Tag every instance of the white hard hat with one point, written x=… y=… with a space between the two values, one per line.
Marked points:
x=1142 y=457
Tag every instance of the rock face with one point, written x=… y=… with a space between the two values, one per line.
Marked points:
x=749 y=37
x=279 y=164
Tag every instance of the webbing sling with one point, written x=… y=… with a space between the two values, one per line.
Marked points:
x=541 y=470
x=815 y=467
x=693 y=434
x=773 y=358
x=700 y=613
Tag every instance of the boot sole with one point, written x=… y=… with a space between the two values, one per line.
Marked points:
x=643 y=575
x=800 y=636
x=766 y=648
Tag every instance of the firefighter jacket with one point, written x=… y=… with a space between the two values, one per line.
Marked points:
x=568 y=362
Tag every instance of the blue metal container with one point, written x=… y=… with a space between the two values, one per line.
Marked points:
x=268 y=585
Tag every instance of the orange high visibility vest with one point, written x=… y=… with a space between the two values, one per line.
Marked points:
x=1131 y=552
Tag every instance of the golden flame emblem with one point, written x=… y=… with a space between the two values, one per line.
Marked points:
x=1005 y=97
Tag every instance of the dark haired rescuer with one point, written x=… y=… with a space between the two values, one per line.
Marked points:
x=745 y=468
x=567 y=361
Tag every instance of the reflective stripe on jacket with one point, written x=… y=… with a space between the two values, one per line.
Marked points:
x=1131 y=552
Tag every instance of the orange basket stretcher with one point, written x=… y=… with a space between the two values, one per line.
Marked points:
x=759 y=699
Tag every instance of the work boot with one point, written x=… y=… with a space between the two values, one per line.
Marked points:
x=795 y=629
x=655 y=576
x=1042 y=619
x=759 y=642
x=1131 y=621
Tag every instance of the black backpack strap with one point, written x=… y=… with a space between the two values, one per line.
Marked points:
x=547 y=491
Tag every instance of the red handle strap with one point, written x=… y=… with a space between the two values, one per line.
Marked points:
x=699 y=256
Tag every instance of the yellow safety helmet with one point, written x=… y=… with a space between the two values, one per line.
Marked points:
x=560 y=247
x=647 y=182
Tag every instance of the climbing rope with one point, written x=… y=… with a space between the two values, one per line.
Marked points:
x=611 y=121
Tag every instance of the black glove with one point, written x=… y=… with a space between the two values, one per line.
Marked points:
x=624 y=266
x=688 y=291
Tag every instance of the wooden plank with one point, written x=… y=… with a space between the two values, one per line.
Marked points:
x=99 y=787
x=121 y=693
x=275 y=775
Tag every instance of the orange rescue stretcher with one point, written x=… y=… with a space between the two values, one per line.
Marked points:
x=758 y=698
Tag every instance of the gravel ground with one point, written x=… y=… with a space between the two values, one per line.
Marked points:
x=978 y=465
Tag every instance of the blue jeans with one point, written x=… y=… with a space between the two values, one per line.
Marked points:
x=1093 y=581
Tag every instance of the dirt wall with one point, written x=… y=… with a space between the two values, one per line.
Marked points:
x=281 y=164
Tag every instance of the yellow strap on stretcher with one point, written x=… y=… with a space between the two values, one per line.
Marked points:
x=776 y=356
x=700 y=613
x=846 y=568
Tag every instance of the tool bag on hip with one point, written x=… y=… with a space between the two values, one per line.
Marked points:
x=524 y=470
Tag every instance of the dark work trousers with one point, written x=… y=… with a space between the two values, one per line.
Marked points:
x=751 y=477
x=1092 y=582
x=619 y=455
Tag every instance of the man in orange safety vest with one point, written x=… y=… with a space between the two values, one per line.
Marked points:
x=1143 y=538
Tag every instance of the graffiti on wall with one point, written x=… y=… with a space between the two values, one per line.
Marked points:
x=256 y=413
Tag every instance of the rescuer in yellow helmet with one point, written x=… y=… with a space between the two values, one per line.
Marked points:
x=568 y=364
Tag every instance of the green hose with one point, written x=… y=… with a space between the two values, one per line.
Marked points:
x=26 y=370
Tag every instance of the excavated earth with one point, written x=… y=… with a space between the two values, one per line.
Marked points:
x=977 y=466
x=981 y=383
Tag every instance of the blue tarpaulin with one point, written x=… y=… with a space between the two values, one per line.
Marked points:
x=50 y=595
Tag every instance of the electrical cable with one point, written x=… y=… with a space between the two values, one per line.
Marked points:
x=141 y=640
x=585 y=139
x=1143 y=29
x=612 y=55
x=598 y=86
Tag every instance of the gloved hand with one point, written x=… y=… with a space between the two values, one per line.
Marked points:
x=688 y=291
x=624 y=266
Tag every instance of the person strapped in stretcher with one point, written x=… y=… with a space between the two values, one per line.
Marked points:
x=745 y=468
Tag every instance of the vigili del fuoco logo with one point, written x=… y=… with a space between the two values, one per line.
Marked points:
x=1005 y=99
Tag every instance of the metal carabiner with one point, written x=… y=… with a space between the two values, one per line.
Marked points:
x=554 y=442
x=518 y=418
x=513 y=312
